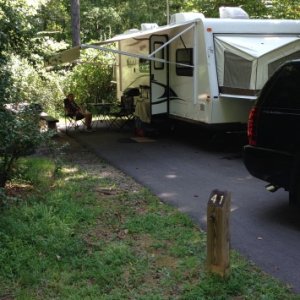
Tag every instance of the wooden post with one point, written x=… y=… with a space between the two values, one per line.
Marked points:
x=218 y=235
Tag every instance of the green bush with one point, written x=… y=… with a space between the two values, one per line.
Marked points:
x=91 y=81
x=19 y=135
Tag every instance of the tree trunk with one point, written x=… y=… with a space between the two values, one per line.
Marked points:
x=75 y=17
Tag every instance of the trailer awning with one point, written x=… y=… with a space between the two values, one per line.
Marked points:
x=72 y=54
x=63 y=57
x=144 y=34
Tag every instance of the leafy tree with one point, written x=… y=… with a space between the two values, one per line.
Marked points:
x=16 y=30
x=102 y=18
x=284 y=9
x=14 y=37
x=100 y=23
x=53 y=19
x=19 y=132
x=37 y=85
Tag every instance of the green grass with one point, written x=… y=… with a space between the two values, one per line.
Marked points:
x=82 y=236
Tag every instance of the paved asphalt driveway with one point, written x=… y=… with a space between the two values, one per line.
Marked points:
x=183 y=168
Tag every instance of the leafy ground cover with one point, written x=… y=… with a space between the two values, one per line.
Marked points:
x=91 y=232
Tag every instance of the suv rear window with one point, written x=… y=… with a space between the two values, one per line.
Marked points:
x=275 y=64
x=285 y=90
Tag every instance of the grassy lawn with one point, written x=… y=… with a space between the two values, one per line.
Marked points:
x=90 y=232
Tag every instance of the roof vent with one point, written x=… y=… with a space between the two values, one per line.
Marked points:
x=148 y=26
x=232 y=13
x=185 y=17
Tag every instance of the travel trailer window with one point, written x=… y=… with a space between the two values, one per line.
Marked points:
x=275 y=64
x=144 y=66
x=237 y=71
x=184 y=56
x=160 y=54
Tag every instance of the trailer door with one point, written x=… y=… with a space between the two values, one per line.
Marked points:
x=159 y=76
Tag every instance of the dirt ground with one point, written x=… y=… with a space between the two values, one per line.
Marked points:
x=82 y=157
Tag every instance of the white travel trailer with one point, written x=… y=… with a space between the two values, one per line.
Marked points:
x=203 y=70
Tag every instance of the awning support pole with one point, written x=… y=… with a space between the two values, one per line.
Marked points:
x=146 y=57
x=172 y=39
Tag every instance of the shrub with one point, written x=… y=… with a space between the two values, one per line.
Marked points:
x=19 y=135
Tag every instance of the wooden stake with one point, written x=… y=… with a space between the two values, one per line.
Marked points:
x=218 y=236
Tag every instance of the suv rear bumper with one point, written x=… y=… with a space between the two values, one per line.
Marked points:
x=269 y=165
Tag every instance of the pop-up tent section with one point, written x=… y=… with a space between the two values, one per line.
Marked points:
x=244 y=63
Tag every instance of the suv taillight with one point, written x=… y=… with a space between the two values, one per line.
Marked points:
x=252 y=126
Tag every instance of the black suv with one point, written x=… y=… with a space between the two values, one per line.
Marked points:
x=273 y=153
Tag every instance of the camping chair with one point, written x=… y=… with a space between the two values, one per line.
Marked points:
x=125 y=113
x=73 y=121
